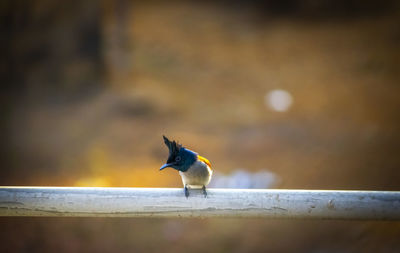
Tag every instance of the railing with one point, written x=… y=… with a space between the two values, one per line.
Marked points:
x=171 y=202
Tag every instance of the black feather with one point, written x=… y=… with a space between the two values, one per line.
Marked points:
x=173 y=147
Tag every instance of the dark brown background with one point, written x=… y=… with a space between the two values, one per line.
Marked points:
x=89 y=87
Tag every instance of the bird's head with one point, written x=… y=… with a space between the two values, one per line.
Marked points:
x=179 y=157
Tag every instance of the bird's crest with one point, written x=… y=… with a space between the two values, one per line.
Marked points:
x=173 y=147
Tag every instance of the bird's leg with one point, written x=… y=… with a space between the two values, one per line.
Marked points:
x=204 y=191
x=186 y=191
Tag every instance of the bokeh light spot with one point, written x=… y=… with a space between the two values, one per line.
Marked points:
x=278 y=100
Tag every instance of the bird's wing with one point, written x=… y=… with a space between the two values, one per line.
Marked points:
x=204 y=160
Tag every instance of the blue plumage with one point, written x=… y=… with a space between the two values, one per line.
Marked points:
x=179 y=157
x=194 y=169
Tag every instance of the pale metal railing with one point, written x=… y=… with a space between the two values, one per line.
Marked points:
x=171 y=202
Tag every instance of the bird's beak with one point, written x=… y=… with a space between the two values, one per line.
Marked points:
x=166 y=165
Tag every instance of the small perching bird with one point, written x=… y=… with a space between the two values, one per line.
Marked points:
x=194 y=169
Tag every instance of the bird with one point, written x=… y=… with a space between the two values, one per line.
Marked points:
x=194 y=169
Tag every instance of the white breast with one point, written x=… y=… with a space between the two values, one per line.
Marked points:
x=197 y=176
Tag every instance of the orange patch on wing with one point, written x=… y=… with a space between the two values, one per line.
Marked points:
x=204 y=160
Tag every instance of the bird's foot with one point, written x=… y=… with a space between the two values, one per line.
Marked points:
x=204 y=191
x=186 y=191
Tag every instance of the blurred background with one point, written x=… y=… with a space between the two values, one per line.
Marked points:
x=276 y=94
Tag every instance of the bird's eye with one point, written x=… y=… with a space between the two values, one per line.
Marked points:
x=178 y=158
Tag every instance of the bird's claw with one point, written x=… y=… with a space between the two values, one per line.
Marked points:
x=186 y=189
x=204 y=191
x=186 y=192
